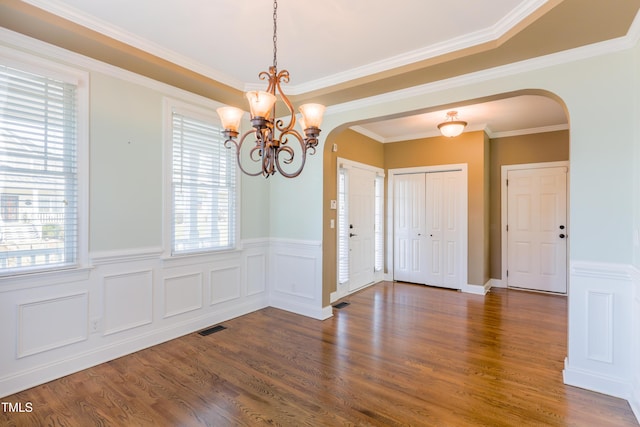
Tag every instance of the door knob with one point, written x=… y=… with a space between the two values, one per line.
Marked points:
x=351 y=234
x=562 y=236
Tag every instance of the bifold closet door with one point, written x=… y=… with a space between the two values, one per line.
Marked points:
x=409 y=228
x=428 y=228
x=443 y=229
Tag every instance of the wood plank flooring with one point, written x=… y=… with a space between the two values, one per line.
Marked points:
x=398 y=355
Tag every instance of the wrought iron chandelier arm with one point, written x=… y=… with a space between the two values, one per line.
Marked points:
x=288 y=153
x=237 y=144
x=283 y=76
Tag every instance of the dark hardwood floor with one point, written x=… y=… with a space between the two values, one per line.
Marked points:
x=399 y=354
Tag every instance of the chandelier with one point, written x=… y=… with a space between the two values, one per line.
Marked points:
x=275 y=143
x=452 y=126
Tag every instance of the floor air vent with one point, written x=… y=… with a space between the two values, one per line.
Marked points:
x=341 y=305
x=212 y=330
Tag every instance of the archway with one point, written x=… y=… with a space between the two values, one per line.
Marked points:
x=485 y=270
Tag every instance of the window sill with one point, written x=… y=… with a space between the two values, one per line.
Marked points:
x=34 y=279
x=200 y=257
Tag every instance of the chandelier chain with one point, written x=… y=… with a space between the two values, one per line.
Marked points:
x=275 y=34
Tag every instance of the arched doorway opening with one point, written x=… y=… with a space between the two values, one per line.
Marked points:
x=503 y=129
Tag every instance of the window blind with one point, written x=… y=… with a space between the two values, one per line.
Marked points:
x=203 y=187
x=38 y=172
x=343 y=228
x=378 y=224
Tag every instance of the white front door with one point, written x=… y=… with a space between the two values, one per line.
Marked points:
x=361 y=194
x=409 y=228
x=537 y=229
x=443 y=228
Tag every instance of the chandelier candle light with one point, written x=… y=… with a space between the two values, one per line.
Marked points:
x=452 y=126
x=272 y=136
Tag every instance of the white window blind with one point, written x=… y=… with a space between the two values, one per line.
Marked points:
x=203 y=187
x=343 y=228
x=378 y=224
x=38 y=172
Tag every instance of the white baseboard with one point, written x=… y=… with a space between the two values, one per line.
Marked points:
x=477 y=289
x=498 y=283
x=333 y=297
x=593 y=381
x=308 y=310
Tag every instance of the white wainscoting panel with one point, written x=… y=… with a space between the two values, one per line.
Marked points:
x=600 y=328
x=296 y=277
x=225 y=284
x=182 y=294
x=128 y=301
x=52 y=323
x=256 y=273
x=296 y=274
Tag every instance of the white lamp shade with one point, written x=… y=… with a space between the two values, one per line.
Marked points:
x=260 y=103
x=452 y=128
x=312 y=115
x=230 y=118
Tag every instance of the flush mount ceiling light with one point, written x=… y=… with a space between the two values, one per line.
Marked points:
x=272 y=136
x=452 y=126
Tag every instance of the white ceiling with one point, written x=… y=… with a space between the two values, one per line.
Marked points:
x=518 y=115
x=321 y=43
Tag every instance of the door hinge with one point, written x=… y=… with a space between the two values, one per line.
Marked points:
x=507 y=183
x=507 y=273
x=507 y=227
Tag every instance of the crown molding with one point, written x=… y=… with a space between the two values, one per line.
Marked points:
x=475 y=38
x=622 y=43
x=489 y=34
x=57 y=8
x=520 y=132
x=559 y=58
x=481 y=127
x=409 y=137
x=370 y=134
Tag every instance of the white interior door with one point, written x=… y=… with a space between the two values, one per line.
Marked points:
x=443 y=228
x=361 y=194
x=537 y=229
x=409 y=228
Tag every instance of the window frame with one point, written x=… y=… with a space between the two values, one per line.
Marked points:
x=204 y=113
x=50 y=69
